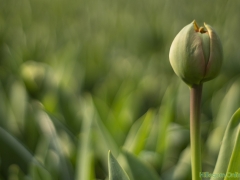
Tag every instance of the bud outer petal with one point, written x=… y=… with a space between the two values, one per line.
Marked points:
x=216 y=55
x=186 y=55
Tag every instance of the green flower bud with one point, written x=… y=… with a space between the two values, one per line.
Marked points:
x=196 y=54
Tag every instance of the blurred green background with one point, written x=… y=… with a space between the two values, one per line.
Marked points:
x=80 y=77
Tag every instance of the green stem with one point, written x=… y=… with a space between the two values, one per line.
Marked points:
x=195 y=130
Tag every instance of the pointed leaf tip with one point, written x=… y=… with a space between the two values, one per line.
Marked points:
x=115 y=170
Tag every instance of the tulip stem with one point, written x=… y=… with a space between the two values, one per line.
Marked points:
x=195 y=132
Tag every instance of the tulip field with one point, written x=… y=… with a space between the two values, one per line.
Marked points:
x=87 y=91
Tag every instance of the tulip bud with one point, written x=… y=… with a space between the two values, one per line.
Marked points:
x=196 y=54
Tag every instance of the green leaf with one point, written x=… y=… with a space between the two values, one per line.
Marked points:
x=115 y=170
x=12 y=151
x=165 y=117
x=85 y=167
x=38 y=172
x=51 y=137
x=182 y=170
x=229 y=157
x=138 y=134
x=227 y=107
x=104 y=139
x=139 y=170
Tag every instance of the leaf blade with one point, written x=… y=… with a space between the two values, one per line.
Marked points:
x=229 y=147
x=136 y=139
x=115 y=170
x=139 y=170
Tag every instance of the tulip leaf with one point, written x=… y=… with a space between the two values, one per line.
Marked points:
x=12 y=151
x=165 y=117
x=182 y=170
x=38 y=172
x=139 y=132
x=139 y=170
x=85 y=161
x=107 y=142
x=115 y=170
x=226 y=109
x=229 y=157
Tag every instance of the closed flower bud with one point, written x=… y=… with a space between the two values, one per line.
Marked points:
x=196 y=54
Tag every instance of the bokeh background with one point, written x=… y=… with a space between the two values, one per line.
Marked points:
x=81 y=77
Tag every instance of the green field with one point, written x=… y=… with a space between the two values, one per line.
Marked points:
x=80 y=78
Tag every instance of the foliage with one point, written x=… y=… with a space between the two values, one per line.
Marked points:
x=80 y=78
